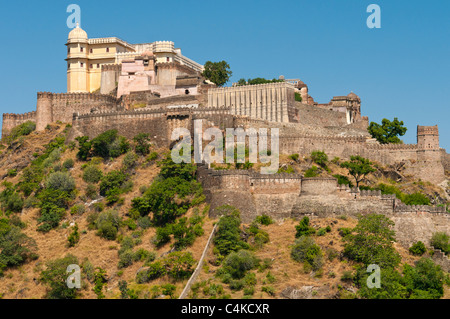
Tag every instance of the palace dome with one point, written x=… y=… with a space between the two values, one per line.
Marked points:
x=78 y=34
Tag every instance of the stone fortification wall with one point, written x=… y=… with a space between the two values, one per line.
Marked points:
x=53 y=107
x=273 y=101
x=12 y=120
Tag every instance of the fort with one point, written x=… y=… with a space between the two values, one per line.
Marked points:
x=153 y=88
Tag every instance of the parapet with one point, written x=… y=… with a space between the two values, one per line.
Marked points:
x=112 y=67
x=77 y=97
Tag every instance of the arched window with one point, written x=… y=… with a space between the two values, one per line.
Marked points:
x=186 y=92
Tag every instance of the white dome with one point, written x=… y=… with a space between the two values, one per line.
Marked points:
x=78 y=34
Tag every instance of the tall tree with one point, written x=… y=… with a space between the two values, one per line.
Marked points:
x=388 y=131
x=217 y=72
x=358 y=167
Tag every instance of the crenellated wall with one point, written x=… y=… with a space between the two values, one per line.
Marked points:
x=53 y=107
x=11 y=120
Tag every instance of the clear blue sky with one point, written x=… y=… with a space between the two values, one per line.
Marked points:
x=400 y=70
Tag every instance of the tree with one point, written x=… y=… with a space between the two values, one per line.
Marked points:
x=388 y=131
x=371 y=242
x=56 y=275
x=217 y=72
x=358 y=167
x=320 y=158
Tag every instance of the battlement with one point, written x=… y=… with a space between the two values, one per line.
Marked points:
x=427 y=130
x=79 y=97
x=20 y=117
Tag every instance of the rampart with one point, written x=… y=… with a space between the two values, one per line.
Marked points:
x=292 y=196
x=11 y=120
x=53 y=107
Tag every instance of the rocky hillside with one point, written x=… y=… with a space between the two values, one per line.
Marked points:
x=136 y=224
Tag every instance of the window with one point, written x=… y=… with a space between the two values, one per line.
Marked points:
x=91 y=50
x=68 y=50
x=81 y=49
x=107 y=49
x=81 y=64
x=91 y=66
x=186 y=92
x=98 y=66
x=168 y=59
x=68 y=65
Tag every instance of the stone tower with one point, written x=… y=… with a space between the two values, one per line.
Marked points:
x=428 y=138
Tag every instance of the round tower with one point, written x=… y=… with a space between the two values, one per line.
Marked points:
x=44 y=111
x=77 y=61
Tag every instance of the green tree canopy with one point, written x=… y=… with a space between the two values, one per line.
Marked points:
x=217 y=72
x=358 y=167
x=371 y=242
x=388 y=131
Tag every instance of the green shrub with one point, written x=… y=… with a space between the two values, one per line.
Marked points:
x=126 y=259
x=440 y=240
x=320 y=158
x=238 y=263
x=74 y=236
x=269 y=290
x=307 y=251
x=264 y=220
x=163 y=235
x=227 y=238
x=68 y=163
x=344 y=231
x=312 y=172
x=55 y=276
x=418 y=249
x=321 y=232
x=303 y=228
x=21 y=130
x=144 y=222
x=142 y=145
x=371 y=242
x=112 y=185
x=11 y=200
x=294 y=157
x=130 y=160
x=16 y=248
x=343 y=180
x=153 y=156
x=107 y=224
x=109 y=144
x=60 y=181
x=91 y=191
x=78 y=209
x=91 y=174
x=12 y=172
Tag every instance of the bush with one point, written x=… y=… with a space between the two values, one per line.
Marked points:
x=126 y=259
x=343 y=180
x=307 y=251
x=227 y=238
x=91 y=191
x=163 y=235
x=371 y=242
x=130 y=161
x=344 y=231
x=55 y=277
x=440 y=240
x=153 y=156
x=144 y=222
x=15 y=247
x=312 y=172
x=320 y=158
x=112 y=185
x=321 y=232
x=238 y=263
x=294 y=157
x=154 y=271
x=21 y=130
x=78 y=209
x=92 y=174
x=11 y=200
x=142 y=145
x=107 y=224
x=60 y=181
x=269 y=290
x=303 y=228
x=68 y=163
x=109 y=144
x=418 y=249
x=74 y=236
x=264 y=220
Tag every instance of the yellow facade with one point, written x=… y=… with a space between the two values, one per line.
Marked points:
x=85 y=58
